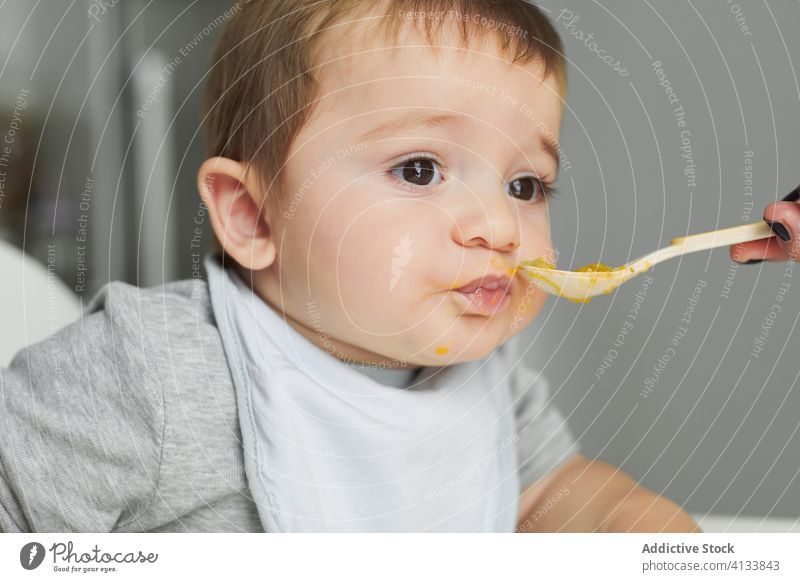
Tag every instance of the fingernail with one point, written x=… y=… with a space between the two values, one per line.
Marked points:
x=753 y=261
x=792 y=196
x=780 y=230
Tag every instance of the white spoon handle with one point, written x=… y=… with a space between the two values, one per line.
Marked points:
x=704 y=241
x=580 y=286
x=724 y=237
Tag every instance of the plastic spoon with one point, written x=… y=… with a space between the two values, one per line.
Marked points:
x=598 y=279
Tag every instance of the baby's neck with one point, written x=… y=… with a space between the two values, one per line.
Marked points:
x=397 y=377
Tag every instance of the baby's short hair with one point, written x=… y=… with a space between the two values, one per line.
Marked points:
x=262 y=85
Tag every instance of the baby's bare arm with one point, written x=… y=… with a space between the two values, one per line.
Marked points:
x=593 y=496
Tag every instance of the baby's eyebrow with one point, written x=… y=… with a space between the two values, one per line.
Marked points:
x=416 y=120
x=552 y=150
x=451 y=121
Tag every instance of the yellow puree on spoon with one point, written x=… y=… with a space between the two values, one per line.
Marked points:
x=543 y=264
x=597 y=279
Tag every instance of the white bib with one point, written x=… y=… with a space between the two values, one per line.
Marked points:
x=335 y=450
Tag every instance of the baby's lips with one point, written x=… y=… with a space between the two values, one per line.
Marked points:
x=489 y=282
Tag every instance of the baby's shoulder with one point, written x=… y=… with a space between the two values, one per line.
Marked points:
x=115 y=400
x=168 y=330
x=134 y=336
x=175 y=304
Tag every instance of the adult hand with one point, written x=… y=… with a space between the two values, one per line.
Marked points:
x=784 y=218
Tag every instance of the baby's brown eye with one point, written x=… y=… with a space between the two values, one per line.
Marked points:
x=525 y=188
x=417 y=171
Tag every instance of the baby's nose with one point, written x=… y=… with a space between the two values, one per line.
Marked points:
x=487 y=219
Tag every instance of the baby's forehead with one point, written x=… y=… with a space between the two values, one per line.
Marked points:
x=402 y=80
x=482 y=75
x=370 y=79
x=375 y=42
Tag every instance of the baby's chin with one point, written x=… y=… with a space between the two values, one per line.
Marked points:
x=446 y=334
x=460 y=343
x=454 y=353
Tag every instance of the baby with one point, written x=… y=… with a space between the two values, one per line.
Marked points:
x=350 y=361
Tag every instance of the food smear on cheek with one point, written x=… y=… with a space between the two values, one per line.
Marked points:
x=442 y=350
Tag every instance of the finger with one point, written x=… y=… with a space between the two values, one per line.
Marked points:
x=767 y=249
x=784 y=218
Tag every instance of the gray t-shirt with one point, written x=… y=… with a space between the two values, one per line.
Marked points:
x=133 y=419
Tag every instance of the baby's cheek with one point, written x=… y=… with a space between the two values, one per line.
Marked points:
x=534 y=243
x=358 y=264
x=527 y=306
x=535 y=240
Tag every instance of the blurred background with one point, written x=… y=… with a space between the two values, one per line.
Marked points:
x=110 y=133
x=681 y=118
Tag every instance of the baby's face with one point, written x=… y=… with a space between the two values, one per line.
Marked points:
x=388 y=215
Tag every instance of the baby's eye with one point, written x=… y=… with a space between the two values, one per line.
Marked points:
x=527 y=188
x=419 y=171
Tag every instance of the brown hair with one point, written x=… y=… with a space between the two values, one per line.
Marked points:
x=261 y=86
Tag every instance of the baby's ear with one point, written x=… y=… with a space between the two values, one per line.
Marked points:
x=235 y=202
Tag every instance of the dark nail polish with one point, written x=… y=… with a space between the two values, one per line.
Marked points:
x=754 y=261
x=792 y=196
x=780 y=230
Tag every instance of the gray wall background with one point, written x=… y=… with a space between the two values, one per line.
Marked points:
x=718 y=432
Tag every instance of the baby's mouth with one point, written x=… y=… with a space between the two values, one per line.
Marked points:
x=487 y=295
